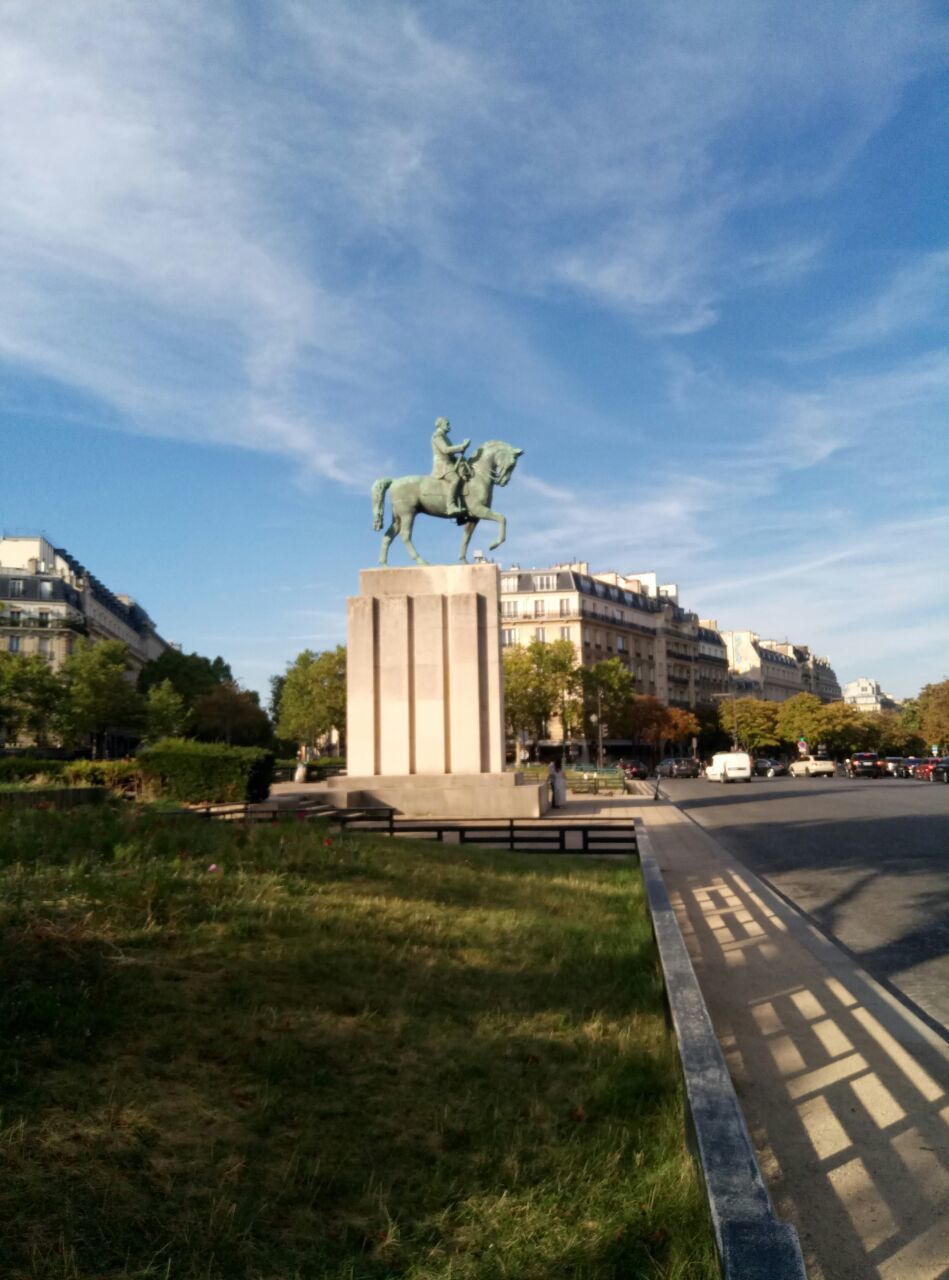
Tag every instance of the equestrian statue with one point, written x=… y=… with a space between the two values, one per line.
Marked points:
x=459 y=489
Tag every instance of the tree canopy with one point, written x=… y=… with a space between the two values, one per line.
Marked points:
x=99 y=697
x=934 y=714
x=190 y=674
x=313 y=697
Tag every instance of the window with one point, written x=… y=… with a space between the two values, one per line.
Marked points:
x=564 y=633
x=540 y=608
x=621 y=644
x=598 y=639
x=16 y=617
x=540 y=633
x=565 y=609
x=46 y=590
x=44 y=618
x=14 y=644
x=16 y=586
x=508 y=637
x=508 y=608
x=545 y=582
x=509 y=584
x=43 y=646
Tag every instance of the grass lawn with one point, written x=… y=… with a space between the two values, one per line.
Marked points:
x=273 y=1052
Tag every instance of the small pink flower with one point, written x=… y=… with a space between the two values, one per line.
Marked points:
x=214 y=867
x=327 y=841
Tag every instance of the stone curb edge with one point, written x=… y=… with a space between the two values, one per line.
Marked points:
x=752 y=1242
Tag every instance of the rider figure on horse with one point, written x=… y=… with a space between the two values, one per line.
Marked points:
x=446 y=465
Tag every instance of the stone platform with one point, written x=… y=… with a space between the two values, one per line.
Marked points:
x=456 y=795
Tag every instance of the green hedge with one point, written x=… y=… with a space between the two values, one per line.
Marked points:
x=208 y=773
x=18 y=768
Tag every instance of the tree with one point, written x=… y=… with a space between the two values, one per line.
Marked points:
x=608 y=691
x=647 y=719
x=934 y=714
x=30 y=697
x=800 y=717
x=712 y=735
x=99 y=696
x=540 y=681
x=313 y=700
x=679 y=725
x=523 y=702
x=233 y=715
x=166 y=715
x=753 y=721
x=191 y=675
x=277 y=684
x=842 y=729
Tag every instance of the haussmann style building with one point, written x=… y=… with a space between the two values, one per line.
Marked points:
x=48 y=600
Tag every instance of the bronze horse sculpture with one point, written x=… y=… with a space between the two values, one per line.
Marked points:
x=490 y=464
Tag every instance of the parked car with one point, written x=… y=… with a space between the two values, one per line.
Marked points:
x=865 y=764
x=765 y=767
x=730 y=766
x=926 y=768
x=635 y=769
x=940 y=770
x=912 y=763
x=895 y=766
x=812 y=767
x=678 y=767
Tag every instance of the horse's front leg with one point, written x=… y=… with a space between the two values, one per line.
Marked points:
x=406 y=532
x=485 y=513
x=469 y=530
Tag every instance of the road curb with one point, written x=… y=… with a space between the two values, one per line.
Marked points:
x=752 y=1242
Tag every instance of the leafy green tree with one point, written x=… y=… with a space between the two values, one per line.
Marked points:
x=842 y=729
x=888 y=733
x=608 y=690
x=712 y=737
x=191 y=675
x=30 y=697
x=540 y=681
x=753 y=721
x=232 y=715
x=99 y=697
x=313 y=699
x=560 y=672
x=934 y=714
x=277 y=684
x=800 y=717
x=166 y=715
x=523 y=701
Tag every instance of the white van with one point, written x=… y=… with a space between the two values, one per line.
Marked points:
x=730 y=766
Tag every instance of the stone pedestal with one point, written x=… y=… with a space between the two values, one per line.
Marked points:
x=425 y=718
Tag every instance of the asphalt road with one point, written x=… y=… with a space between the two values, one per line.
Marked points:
x=867 y=860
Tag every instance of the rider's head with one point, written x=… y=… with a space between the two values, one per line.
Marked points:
x=442 y=425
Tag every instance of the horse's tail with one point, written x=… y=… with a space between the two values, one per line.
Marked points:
x=378 y=501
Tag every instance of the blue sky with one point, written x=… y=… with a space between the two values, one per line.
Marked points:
x=692 y=258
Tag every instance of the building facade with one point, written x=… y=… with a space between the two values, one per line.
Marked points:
x=774 y=676
x=632 y=617
x=48 y=600
x=866 y=695
x=817 y=675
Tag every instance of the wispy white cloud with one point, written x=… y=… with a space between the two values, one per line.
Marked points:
x=916 y=295
x=262 y=233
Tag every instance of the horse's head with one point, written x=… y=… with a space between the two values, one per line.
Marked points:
x=496 y=458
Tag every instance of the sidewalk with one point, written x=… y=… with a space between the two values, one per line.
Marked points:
x=845 y=1092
